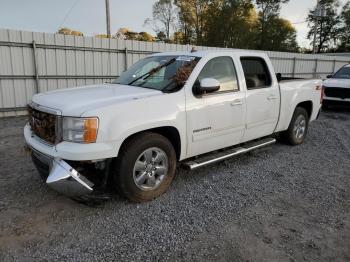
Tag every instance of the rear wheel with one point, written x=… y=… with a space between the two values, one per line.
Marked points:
x=298 y=127
x=145 y=167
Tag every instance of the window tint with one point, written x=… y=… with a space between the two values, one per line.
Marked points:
x=223 y=70
x=343 y=73
x=256 y=72
x=171 y=77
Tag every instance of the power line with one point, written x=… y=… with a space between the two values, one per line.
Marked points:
x=68 y=13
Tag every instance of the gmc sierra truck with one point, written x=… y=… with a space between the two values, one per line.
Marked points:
x=194 y=108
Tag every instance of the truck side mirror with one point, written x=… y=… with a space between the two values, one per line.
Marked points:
x=329 y=76
x=208 y=85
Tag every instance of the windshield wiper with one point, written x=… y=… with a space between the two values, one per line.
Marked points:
x=153 y=71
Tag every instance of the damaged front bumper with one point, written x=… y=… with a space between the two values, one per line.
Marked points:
x=67 y=181
x=60 y=176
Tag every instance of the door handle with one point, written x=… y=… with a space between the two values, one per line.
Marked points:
x=237 y=102
x=272 y=97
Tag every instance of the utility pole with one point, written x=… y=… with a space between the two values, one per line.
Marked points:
x=316 y=15
x=108 y=19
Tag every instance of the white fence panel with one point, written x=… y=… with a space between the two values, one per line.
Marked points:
x=32 y=62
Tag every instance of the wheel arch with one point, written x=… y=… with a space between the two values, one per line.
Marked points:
x=169 y=132
x=307 y=105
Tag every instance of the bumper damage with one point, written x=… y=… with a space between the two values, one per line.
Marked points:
x=60 y=176
x=67 y=181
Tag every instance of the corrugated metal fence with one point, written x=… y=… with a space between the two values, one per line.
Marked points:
x=32 y=62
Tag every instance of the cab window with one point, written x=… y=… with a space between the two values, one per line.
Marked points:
x=223 y=70
x=256 y=72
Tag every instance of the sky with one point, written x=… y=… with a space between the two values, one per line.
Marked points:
x=88 y=16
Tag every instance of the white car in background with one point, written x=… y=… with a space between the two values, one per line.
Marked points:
x=337 y=87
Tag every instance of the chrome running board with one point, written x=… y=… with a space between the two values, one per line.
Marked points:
x=212 y=158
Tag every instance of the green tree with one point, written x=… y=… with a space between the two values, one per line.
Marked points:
x=185 y=22
x=328 y=29
x=230 y=24
x=178 y=37
x=161 y=36
x=281 y=36
x=193 y=15
x=344 y=45
x=144 y=36
x=236 y=24
x=267 y=18
x=164 y=16
x=125 y=33
x=68 y=31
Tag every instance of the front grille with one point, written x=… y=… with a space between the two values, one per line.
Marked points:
x=43 y=125
x=337 y=92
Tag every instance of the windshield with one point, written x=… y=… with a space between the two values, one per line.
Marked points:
x=343 y=73
x=164 y=73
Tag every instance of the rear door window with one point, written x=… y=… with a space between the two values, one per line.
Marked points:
x=256 y=72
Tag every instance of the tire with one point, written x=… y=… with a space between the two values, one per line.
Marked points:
x=298 y=127
x=145 y=167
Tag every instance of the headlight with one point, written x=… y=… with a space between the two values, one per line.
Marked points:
x=80 y=130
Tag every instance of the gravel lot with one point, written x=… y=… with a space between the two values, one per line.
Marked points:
x=280 y=203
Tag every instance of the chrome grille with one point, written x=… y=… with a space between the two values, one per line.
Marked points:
x=43 y=125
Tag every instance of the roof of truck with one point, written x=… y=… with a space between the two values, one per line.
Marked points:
x=202 y=53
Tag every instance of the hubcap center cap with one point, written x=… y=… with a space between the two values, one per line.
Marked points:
x=149 y=168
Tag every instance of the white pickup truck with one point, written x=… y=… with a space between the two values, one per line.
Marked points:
x=194 y=108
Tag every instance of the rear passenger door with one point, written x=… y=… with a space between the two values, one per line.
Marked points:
x=262 y=99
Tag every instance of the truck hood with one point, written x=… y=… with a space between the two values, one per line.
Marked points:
x=333 y=82
x=75 y=101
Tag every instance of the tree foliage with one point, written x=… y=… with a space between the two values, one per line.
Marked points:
x=235 y=23
x=164 y=16
x=271 y=26
x=193 y=16
x=231 y=24
x=126 y=34
x=344 y=35
x=68 y=31
x=328 y=29
x=245 y=24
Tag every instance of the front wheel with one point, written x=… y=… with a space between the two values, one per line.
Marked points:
x=145 y=167
x=298 y=127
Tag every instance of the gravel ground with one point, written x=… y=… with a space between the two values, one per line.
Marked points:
x=280 y=203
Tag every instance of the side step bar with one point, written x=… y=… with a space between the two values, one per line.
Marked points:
x=212 y=158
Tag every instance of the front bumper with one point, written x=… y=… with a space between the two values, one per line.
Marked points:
x=67 y=181
x=60 y=176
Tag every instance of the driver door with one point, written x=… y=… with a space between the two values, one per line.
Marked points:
x=216 y=120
